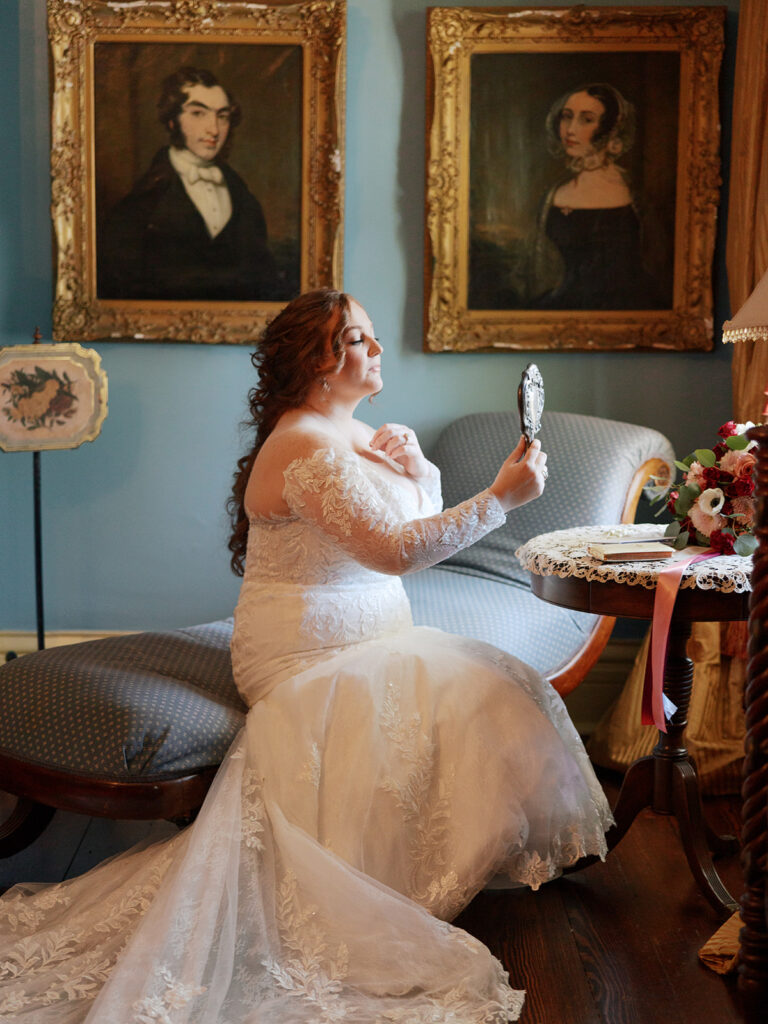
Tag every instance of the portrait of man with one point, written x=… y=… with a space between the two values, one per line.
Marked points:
x=190 y=228
x=198 y=171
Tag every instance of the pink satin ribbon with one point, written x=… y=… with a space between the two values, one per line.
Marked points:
x=667 y=587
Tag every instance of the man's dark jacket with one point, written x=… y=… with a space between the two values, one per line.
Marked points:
x=155 y=244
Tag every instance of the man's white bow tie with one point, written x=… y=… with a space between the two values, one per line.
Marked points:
x=212 y=173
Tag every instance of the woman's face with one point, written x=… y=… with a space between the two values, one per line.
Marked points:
x=579 y=121
x=360 y=374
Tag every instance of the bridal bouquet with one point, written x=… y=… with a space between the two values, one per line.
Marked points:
x=713 y=505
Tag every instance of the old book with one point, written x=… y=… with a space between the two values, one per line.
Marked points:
x=634 y=551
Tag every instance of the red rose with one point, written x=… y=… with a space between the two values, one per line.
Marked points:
x=711 y=477
x=721 y=542
x=743 y=487
x=728 y=429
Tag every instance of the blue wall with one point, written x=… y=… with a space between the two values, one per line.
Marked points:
x=133 y=524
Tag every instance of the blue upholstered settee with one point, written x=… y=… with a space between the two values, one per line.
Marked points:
x=135 y=726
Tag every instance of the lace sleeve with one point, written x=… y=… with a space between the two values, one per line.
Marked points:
x=431 y=485
x=331 y=491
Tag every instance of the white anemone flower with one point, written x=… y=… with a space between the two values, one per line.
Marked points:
x=704 y=512
x=711 y=501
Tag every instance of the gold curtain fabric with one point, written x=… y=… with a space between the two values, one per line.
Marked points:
x=747 y=243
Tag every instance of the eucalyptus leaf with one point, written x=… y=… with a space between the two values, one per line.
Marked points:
x=683 y=503
x=681 y=541
x=701 y=539
x=688 y=494
x=745 y=545
x=673 y=529
x=706 y=457
x=737 y=442
x=684 y=466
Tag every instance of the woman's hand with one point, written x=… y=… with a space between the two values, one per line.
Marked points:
x=521 y=478
x=400 y=444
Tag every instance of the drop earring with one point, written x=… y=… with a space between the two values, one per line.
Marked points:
x=325 y=387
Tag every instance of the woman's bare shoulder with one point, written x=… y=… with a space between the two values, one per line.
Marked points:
x=299 y=440
x=287 y=443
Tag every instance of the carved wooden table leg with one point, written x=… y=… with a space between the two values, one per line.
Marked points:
x=753 y=954
x=667 y=780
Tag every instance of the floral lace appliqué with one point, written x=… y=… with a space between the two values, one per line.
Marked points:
x=309 y=970
x=158 y=1009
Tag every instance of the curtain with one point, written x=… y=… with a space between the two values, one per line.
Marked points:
x=747 y=242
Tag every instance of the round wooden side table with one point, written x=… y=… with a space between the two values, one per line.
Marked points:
x=563 y=573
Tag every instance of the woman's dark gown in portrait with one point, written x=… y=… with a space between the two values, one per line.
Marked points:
x=384 y=774
x=602 y=260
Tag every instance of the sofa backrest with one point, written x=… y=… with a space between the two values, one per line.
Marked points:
x=591 y=463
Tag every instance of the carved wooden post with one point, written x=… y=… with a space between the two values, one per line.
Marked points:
x=753 y=952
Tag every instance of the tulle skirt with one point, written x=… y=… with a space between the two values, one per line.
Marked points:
x=369 y=796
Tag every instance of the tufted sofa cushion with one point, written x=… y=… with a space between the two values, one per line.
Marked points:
x=148 y=705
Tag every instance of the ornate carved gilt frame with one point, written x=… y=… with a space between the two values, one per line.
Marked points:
x=454 y=36
x=318 y=27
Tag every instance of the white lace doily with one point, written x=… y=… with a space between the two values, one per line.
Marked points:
x=564 y=553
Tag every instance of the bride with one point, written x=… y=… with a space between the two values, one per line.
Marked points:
x=384 y=774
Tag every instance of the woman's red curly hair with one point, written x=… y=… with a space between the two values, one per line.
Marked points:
x=295 y=349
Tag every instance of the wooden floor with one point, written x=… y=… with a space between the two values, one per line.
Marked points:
x=613 y=944
x=617 y=942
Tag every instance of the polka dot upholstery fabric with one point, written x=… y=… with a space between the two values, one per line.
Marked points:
x=501 y=613
x=146 y=706
x=591 y=462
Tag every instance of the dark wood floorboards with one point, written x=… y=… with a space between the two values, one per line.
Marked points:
x=613 y=944
x=616 y=943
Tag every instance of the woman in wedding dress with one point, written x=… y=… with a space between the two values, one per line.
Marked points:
x=384 y=774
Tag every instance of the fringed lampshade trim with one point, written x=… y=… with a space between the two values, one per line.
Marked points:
x=734 y=334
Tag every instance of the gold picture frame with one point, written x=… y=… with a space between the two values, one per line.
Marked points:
x=110 y=63
x=51 y=397
x=505 y=267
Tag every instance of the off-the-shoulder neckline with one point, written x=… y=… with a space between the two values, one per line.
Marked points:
x=354 y=461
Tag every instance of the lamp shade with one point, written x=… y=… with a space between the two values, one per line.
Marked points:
x=751 y=321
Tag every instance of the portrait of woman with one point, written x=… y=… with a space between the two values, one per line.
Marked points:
x=588 y=248
x=572 y=181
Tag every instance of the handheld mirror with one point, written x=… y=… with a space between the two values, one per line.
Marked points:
x=530 y=402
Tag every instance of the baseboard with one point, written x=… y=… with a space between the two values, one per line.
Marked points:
x=23 y=642
x=591 y=699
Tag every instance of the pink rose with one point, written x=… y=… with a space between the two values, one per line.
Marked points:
x=739 y=464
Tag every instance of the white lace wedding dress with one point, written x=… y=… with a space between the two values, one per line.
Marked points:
x=384 y=774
